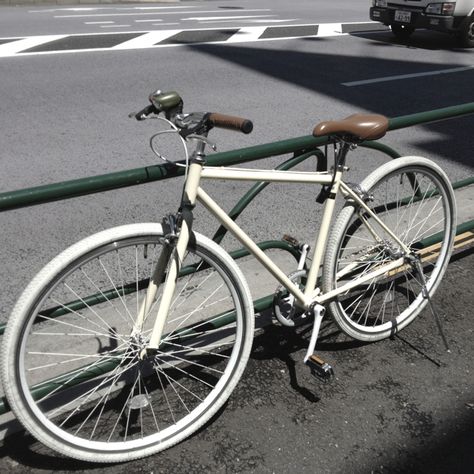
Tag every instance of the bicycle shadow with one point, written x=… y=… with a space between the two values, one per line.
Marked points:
x=288 y=345
x=26 y=452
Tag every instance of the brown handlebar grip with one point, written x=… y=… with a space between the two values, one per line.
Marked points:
x=231 y=122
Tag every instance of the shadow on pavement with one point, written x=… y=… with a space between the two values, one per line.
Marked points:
x=413 y=412
x=328 y=74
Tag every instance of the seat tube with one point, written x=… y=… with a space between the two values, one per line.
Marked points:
x=190 y=192
x=322 y=237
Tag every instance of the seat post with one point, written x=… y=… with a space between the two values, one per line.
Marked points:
x=342 y=154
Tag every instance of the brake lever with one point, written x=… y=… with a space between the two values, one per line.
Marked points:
x=144 y=113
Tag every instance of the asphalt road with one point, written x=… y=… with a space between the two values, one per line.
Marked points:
x=64 y=116
x=66 y=19
x=397 y=406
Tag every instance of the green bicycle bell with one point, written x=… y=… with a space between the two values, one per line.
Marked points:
x=164 y=101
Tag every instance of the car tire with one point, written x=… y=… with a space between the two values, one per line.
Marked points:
x=402 y=32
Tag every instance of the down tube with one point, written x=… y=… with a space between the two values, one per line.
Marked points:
x=251 y=246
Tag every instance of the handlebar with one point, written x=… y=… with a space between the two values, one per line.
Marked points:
x=230 y=122
x=144 y=113
x=171 y=104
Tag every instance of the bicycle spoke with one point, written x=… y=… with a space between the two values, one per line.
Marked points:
x=412 y=202
x=85 y=367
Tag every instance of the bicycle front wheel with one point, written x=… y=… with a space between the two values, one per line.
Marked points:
x=413 y=197
x=73 y=366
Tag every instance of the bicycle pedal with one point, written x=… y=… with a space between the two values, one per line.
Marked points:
x=291 y=240
x=319 y=368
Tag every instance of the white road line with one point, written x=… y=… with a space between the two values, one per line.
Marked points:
x=89 y=9
x=148 y=19
x=330 y=29
x=115 y=26
x=153 y=13
x=199 y=18
x=97 y=22
x=153 y=8
x=84 y=9
x=274 y=21
x=147 y=40
x=10 y=49
x=243 y=21
x=407 y=76
x=247 y=34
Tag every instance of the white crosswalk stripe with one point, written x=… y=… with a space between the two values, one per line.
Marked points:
x=52 y=44
x=14 y=47
x=250 y=33
x=330 y=29
x=147 y=40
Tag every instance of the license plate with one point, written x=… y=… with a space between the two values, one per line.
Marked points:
x=402 y=16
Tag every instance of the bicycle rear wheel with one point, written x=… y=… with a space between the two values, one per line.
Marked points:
x=72 y=370
x=414 y=198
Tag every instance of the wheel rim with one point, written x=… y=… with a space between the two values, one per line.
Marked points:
x=135 y=404
x=470 y=32
x=388 y=303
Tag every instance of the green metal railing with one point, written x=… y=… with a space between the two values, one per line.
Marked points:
x=302 y=148
x=148 y=174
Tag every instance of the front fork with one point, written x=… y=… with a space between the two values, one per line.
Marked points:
x=173 y=253
x=176 y=257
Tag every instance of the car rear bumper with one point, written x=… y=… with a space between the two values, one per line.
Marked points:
x=418 y=19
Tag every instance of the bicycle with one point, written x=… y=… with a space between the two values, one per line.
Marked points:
x=130 y=340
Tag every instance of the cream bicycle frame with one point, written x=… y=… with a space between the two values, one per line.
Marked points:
x=311 y=294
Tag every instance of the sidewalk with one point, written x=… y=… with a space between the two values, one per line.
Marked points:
x=465 y=203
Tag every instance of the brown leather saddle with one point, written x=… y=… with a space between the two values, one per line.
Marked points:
x=356 y=127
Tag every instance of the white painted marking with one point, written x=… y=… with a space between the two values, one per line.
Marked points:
x=153 y=8
x=84 y=9
x=115 y=26
x=50 y=10
x=247 y=34
x=407 y=76
x=147 y=20
x=245 y=21
x=330 y=29
x=97 y=22
x=274 y=21
x=10 y=49
x=199 y=18
x=147 y=40
x=152 y=13
x=213 y=22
